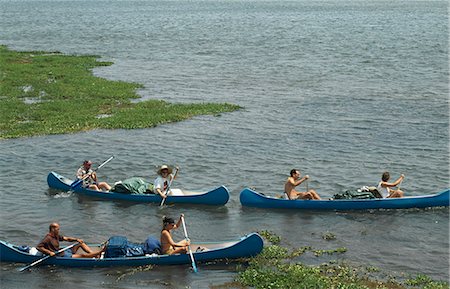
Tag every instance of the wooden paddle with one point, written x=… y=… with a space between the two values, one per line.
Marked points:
x=46 y=257
x=194 y=267
x=79 y=181
x=168 y=188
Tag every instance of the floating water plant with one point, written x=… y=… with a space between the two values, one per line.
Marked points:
x=51 y=93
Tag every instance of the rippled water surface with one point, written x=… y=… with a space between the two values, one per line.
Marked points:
x=342 y=90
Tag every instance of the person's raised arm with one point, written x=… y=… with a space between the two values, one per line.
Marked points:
x=176 y=173
x=390 y=185
x=177 y=225
x=301 y=180
x=399 y=180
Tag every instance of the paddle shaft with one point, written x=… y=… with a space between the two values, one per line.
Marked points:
x=168 y=187
x=194 y=267
x=46 y=257
x=78 y=182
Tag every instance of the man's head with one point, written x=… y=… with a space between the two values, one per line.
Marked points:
x=295 y=173
x=164 y=171
x=385 y=177
x=87 y=164
x=54 y=228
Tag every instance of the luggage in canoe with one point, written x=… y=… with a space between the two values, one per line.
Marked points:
x=252 y=198
x=247 y=246
x=217 y=196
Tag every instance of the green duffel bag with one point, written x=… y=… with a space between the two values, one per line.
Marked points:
x=133 y=185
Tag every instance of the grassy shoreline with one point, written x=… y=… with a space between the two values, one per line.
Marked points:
x=277 y=267
x=44 y=93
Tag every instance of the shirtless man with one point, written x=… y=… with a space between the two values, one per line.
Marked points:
x=293 y=181
x=50 y=244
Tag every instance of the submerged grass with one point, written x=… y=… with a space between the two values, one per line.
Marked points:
x=51 y=93
x=275 y=268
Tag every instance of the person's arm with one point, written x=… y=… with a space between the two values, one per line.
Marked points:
x=93 y=176
x=296 y=183
x=174 y=176
x=41 y=247
x=72 y=239
x=158 y=190
x=45 y=251
x=159 y=184
x=80 y=173
x=394 y=184
x=177 y=225
x=399 y=180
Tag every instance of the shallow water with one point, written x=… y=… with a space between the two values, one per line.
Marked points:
x=342 y=90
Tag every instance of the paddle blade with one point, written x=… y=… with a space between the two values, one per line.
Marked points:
x=194 y=267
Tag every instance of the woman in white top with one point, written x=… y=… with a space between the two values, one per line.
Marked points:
x=385 y=188
x=162 y=181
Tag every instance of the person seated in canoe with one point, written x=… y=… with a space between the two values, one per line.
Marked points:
x=165 y=177
x=386 y=189
x=50 y=244
x=89 y=178
x=168 y=246
x=292 y=182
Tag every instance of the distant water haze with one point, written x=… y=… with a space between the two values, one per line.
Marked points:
x=342 y=90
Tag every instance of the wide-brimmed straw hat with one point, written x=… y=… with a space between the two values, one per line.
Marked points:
x=164 y=167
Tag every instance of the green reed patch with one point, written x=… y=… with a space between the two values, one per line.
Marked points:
x=274 y=268
x=50 y=93
x=425 y=282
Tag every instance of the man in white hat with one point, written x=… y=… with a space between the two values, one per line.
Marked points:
x=164 y=178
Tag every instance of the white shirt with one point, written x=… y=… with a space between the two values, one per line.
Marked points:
x=384 y=191
x=161 y=183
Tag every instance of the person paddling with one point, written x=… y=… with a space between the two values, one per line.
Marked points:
x=161 y=183
x=168 y=246
x=292 y=182
x=89 y=178
x=50 y=244
x=386 y=189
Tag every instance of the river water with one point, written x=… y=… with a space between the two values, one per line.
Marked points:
x=342 y=90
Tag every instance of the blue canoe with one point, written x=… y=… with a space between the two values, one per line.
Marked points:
x=252 y=198
x=247 y=246
x=218 y=196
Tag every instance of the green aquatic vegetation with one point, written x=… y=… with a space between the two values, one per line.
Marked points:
x=425 y=282
x=328 y=236
x=45 y=93
x=270 y=236
x=130 y=272
x=274 y=268
x=372 y=269
x=329 y=252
